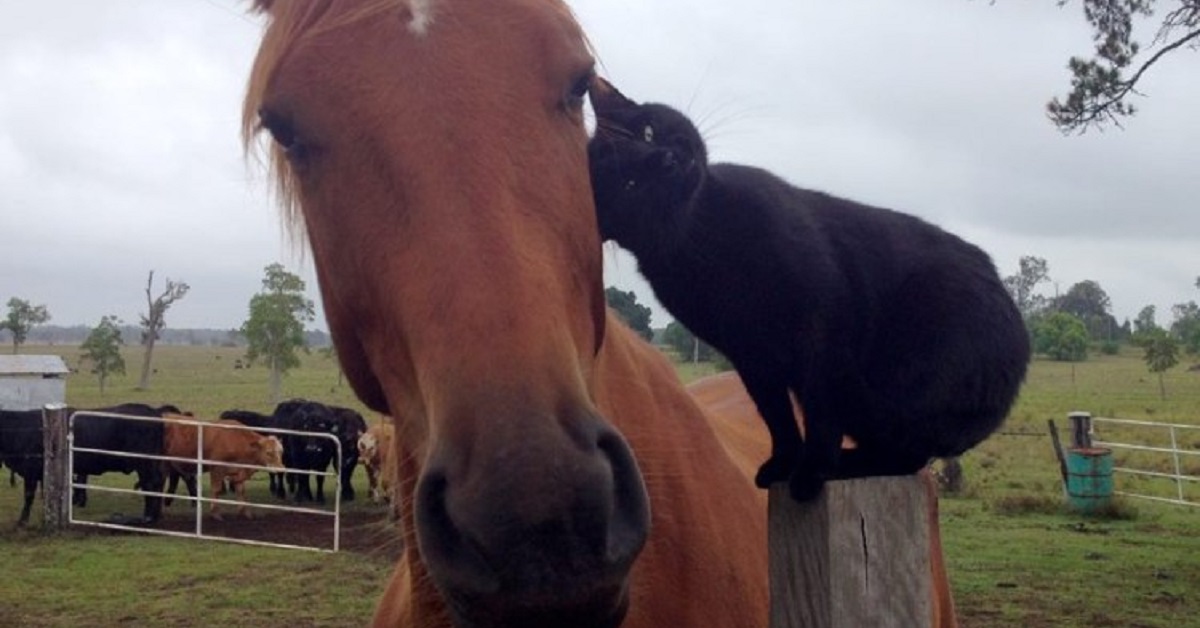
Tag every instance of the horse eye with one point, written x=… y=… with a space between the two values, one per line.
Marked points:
x=648 y=134
x=281 y=129
x=579 y=90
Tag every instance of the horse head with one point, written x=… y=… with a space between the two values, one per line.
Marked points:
x=434 y=152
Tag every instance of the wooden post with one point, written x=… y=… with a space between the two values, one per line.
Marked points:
x=56 y=484
x=1081 y=430
x=1058 y=452
x=856 y=557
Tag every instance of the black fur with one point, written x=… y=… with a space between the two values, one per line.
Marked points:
x=885 y=327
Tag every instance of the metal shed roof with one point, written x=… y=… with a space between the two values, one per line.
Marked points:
x=32 y=365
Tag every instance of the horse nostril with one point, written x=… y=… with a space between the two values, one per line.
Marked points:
x=443 y=543
x=631 y=508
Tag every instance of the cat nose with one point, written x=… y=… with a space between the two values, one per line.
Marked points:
x=665 y=161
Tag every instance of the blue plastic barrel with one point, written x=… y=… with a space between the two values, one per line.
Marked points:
x=1089 y=479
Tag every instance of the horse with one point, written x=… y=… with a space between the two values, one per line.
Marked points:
x=552 y=470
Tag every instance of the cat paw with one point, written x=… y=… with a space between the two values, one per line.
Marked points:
x=805 y=487
x=775 y=469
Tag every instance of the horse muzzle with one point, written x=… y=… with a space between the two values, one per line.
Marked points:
x=537 y=531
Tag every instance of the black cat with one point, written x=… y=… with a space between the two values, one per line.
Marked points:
x=886 y=328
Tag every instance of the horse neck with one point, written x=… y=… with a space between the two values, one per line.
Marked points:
x=705 y=562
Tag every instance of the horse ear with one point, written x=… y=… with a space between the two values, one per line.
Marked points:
x=262 y=6
x=606 y=98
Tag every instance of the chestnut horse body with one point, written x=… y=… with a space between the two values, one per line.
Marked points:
x=552 y=470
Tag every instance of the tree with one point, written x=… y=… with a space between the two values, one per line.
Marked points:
x=1144 y=323
x=1061 y=337
x=1021 y=286
x=1186 y=326
x=1090 y=304
x=1099 y=85
x=1085 y=299
x=1162 y=353
x=21 y=318
x=636 y=315
x=102 y=349
x=153 y=321
x=687 y=344
x=275 y=329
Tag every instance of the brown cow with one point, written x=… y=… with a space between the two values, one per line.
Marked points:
x=375 y=453
x=224 y=442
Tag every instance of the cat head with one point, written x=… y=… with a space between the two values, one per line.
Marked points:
x=647 y=163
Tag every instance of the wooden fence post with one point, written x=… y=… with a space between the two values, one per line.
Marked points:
x=56 y=485
x=856 y=557
x=1081 y=430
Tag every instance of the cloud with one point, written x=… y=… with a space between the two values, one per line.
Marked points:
x=119 y=144
x=936 y=110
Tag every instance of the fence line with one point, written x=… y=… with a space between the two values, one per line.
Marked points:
x=1175 y=452
x=211 y=463
x=199 y=499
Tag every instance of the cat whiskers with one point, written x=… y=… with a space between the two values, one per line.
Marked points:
x=721 y=120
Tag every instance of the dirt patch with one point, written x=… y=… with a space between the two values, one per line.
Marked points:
x=362 y=531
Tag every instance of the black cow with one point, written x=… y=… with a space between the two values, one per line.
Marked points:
x=143 y=437
x=317 y=454
x=257 y=420
x=306 y=453
x=351 y=427
x=21 y=451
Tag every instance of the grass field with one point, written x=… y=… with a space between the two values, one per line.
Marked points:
x=1016 y=556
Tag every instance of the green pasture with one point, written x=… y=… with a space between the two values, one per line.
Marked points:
x=1016 y=556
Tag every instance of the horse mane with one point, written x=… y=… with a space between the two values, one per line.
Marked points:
x=288 y=24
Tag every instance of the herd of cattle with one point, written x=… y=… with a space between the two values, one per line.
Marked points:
x=174 y=434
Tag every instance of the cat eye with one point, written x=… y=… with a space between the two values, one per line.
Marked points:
x=648 y=134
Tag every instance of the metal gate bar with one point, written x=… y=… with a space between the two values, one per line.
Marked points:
x=199 y=498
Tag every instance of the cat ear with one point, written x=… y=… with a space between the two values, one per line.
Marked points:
x=606 y=98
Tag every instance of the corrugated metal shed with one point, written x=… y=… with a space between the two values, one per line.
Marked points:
x=32 y=365
x=28 y=382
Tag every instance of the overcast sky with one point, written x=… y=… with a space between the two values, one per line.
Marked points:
x=119 y=148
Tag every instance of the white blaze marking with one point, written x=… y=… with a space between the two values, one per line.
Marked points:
x=422 y=12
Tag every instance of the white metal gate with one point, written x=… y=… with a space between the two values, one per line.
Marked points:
x=199 y=498
x=1161 y=447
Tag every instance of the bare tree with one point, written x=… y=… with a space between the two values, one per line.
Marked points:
x=1021 y=286
x=154 y=321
